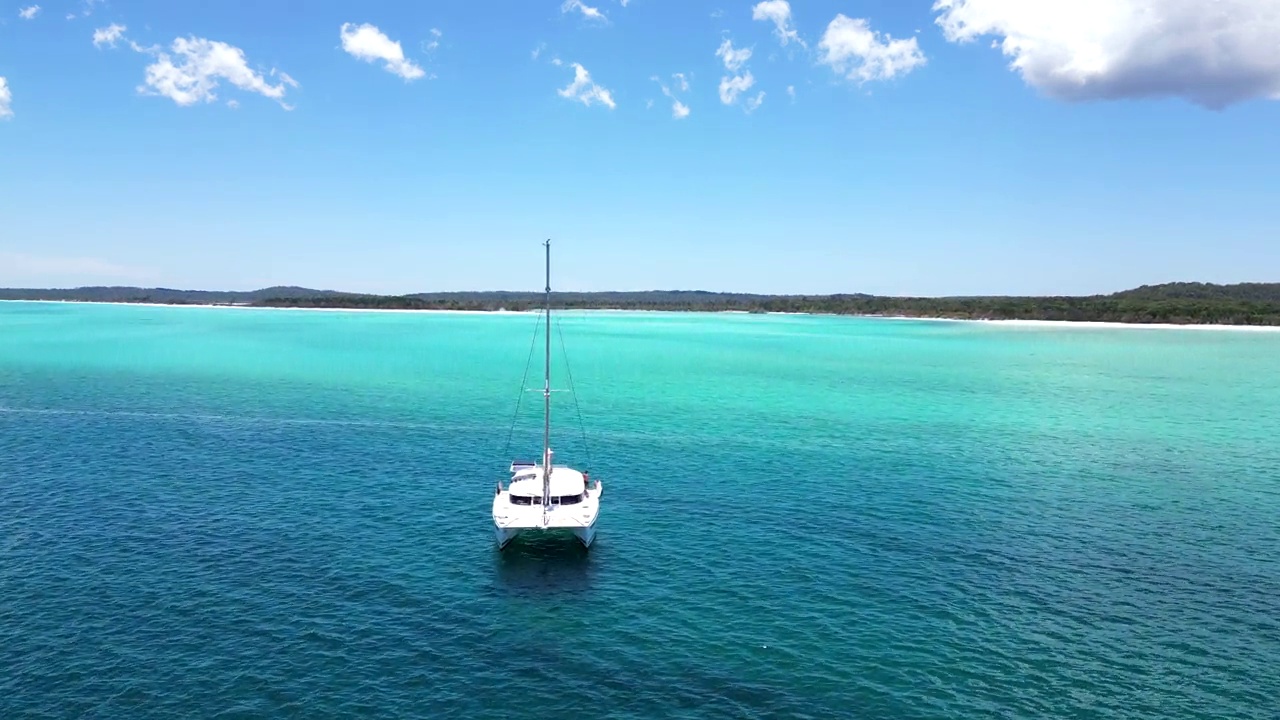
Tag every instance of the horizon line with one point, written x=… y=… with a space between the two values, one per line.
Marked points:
x=605 y=292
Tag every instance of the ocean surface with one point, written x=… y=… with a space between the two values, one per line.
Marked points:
x=220 y=513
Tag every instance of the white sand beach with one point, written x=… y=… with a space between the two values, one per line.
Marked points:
x=1128 y=326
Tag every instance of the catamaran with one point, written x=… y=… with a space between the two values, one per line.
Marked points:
x=544 y=498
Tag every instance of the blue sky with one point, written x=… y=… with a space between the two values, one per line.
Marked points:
x=899 y=147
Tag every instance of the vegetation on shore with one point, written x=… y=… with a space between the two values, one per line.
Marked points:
x=1177 y=303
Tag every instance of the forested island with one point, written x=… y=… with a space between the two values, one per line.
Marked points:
x=1176 y=303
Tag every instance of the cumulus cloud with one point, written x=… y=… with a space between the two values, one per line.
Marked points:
x=733 y=59
x=196 y=67
x=366 y=42
x=29 y=13
x=6 y=100
x=851 y=48
x=732 y=87
x=585 y=91
x=587 y=11
x=1211 y=53
x=108 y=35
x=778 y=12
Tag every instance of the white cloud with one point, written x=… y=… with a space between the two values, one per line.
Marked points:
x=679 y=110
x=538 y=50
x=28 y=13
x=233 y=104
x=585 y=91
x=752 y=103
x=587 y=11
x=732 y=87
x=366 y=42
x=778 y=12
x=733 y=59
x=791 y=90
x=6 y=100
x=108 y=35
x=200 y=65
x=852 y=49
x=1210 y=53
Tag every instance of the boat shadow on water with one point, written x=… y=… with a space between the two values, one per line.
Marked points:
x=544 y=565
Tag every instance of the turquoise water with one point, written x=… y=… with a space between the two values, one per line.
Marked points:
x=243 y=513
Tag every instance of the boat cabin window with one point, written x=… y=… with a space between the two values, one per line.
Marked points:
x=555 y=499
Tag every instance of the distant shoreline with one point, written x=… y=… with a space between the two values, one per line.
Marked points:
x=1182 y=304
x=1009 y=322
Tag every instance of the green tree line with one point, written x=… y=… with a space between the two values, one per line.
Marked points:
x=1178 y=303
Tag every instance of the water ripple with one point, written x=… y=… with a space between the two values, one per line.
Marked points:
x=866 y=522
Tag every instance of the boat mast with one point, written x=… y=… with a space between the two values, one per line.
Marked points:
x=546 y=397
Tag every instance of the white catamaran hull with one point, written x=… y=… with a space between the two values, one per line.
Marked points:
x=577 y=520
x=585 y=535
